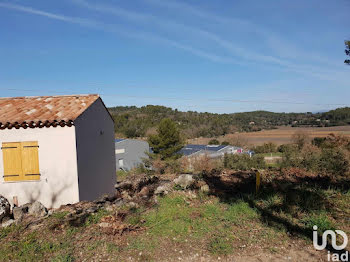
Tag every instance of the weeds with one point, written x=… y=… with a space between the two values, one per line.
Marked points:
x=320 y=220
x=96 y=217
x=220 y=245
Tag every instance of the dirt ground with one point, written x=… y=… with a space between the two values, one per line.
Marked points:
x=279 y=136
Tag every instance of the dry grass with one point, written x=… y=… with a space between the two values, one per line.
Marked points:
x=282 y=135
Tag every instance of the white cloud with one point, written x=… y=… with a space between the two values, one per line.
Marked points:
x=117 y=29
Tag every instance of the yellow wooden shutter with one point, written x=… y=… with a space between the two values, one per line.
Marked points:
x=12 y=159
x=30 y=161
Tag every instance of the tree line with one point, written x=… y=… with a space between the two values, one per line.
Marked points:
x=132 y=121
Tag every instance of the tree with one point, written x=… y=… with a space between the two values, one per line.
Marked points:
x=300 y=138
x=167 y=142
x=347 y=51
x=214 y=142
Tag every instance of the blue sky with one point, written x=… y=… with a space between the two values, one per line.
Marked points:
x=219 y=56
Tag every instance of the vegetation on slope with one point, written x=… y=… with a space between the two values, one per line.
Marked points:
x=132 y=121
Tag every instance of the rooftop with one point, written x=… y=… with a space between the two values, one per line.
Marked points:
x=39 y=111
x=190 y=149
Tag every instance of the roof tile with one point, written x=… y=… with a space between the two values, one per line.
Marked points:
x=24 y=111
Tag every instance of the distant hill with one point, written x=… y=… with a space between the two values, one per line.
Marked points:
x=132 y=121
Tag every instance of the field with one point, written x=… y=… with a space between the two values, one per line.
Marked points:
x=282 y=135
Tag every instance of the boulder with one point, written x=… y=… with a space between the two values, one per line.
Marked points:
x=37 y=209
x=4 y=208
x=185 y=181
x=19 y=212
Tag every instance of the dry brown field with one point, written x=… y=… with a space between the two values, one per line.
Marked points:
x=281 y=135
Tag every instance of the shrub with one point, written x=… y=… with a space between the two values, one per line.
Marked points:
x=334 y=161
x=266 y=148
x=300 y=138
x=243 y=162
x=158 y=166
x=203 y=163
x=327 y=156
x=173 y=166
x=214 y=142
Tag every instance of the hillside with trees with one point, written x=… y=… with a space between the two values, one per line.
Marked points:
x=132 y=121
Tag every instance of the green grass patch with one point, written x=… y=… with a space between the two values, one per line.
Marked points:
x=122 y=175
x=59 y=215
x=96 y=217
x=141 y=244
x=112 y=248
x=64 y=258
x=321 y=220
x=220 y=245
x=4 y=232
x=177 y=219
x=29 y=248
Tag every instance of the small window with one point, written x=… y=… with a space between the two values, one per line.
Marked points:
x=121 y=163
x=120 y=151
x=21 y=161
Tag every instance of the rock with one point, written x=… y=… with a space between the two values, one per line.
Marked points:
x=92 y=209
x=144 y=193
x=37 y=209
x=8 y=223
x=185 y=181
x=125 y=195
x=119 y=202
x=19 y=212
x=161 y=190
x=205 y=188
x=132 y=205
x=4 y=208
x=104 y=225
x=124 y=185
x=110 y=208
x=77 y=220
x=105 y=198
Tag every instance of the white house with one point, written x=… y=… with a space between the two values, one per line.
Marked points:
x=56 y=149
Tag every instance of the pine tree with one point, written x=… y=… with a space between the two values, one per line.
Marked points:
x=168 y=141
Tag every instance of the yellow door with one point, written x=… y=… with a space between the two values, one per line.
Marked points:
x=30 y=161
x=12 y=161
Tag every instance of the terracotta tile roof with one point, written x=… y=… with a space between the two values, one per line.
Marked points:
x=40 y=111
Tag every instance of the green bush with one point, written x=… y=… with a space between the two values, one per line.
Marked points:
x=326 y=156
x=214 y=142
x=266 y=148
x=334 y=161
x=243 y=162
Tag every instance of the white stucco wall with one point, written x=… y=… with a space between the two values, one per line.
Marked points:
x=95 y=152
x=58 y=182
